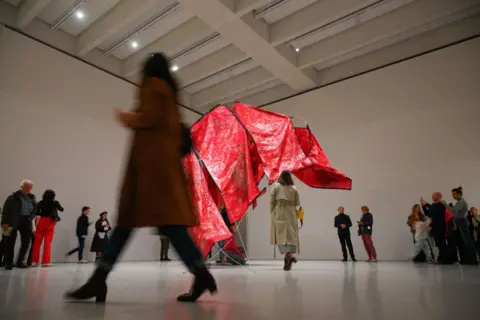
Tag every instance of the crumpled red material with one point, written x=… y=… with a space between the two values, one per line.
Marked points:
x=224 y=147
x=237 y=148
x=211 y=227
x=275 y=139
x=319 y=174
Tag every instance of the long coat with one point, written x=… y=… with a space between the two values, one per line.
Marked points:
x=100 y=239
x=284 y=201
x=154 y=190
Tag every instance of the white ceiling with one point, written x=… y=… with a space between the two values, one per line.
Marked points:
x=231 y=50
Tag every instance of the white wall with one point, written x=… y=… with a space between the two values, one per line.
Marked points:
x=57 y=129
x=400 y=132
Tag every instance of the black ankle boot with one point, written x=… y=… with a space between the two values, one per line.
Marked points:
x=96 y=287
x=203 y=281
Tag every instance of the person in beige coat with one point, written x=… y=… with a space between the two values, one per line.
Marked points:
x=284 y=201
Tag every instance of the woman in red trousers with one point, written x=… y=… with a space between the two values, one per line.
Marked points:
x=365 y=230
x=47 y=211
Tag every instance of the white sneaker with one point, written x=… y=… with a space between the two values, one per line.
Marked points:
x=34 y=265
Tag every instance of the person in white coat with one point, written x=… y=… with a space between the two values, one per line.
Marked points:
x=284 y=202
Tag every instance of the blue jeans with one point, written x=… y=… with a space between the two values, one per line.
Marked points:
x=422 y=244
x=79 y=249
x=178 y=235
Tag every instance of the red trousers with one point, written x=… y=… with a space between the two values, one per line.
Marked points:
x=45 y=231
x=369 y=247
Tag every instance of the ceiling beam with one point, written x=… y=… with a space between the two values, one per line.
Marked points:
x=176 y=40
x=228 y=90
x=211 y=64
x=242 y=7
x=407 y=21
x=312 y=17
x=106 y=27
x=240 y=33
x=29 y=10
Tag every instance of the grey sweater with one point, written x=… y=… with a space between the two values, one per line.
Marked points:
x=460 y=210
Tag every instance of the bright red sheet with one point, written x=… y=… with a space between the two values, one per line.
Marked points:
x=211 y=227
x=320 y=174
x=224 y=147
x=275 y=139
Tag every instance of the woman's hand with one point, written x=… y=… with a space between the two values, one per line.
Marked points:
x=121 y=116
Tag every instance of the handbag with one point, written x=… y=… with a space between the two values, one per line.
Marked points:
x=300 y=214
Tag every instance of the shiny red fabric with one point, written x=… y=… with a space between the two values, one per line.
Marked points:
x=224 y=147
x=319 y=174
x=275 y=139
x=211 y=227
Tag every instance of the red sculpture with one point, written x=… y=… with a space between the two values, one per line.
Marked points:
x=234 y=149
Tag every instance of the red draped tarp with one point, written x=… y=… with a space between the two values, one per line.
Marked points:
x=237 y=148
x=224 y=147
x=274 y=136
x=320 y=174
x=211 y=227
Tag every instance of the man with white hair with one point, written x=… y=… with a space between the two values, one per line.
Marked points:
x=17 y=215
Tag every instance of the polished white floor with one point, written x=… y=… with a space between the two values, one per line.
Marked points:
x=312 y=290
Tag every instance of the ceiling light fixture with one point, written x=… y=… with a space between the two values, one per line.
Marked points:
x=73 y=11
x=134 y=44
x=79 y=14
x=174 y=68
x=297 y=49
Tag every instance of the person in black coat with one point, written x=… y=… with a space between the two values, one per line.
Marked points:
x=82 y=233
x=442 y=228
x=100 y=239
x=17 y=215
x=343 y=224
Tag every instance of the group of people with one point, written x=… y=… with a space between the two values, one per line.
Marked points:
x=36 y=221
x=454 y=229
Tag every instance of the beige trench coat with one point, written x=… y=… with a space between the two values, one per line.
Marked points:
x=284 y=201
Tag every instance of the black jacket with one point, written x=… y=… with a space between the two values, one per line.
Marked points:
x=366 y=224
x=436 y=212
x=82 y=226
x=225 y=218
x=12 y=209
x=49 y=208
x=343 y=219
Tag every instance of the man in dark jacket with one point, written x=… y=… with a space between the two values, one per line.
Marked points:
x=17 y=215
x=82 y=233
x=343 y=224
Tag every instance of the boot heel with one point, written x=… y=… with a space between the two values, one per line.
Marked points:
x=213 y=289
x=101 y=296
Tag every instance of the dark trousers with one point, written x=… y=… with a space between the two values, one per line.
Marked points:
x=346 y=241
x=79 y=249
x=29 y=259
x=466 y=246
x=25 y=229
x=164 y=247
x=178 y=235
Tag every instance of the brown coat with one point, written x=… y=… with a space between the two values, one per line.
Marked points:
x=154 y=190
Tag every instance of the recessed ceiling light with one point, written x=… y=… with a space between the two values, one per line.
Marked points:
x=79 y=14
x=134 y=44
x=174 y=68
x=297 y=49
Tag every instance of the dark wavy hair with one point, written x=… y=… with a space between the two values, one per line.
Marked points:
x=458 y=190
x=286 y=178
x=48 y=195
x=157 y=66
